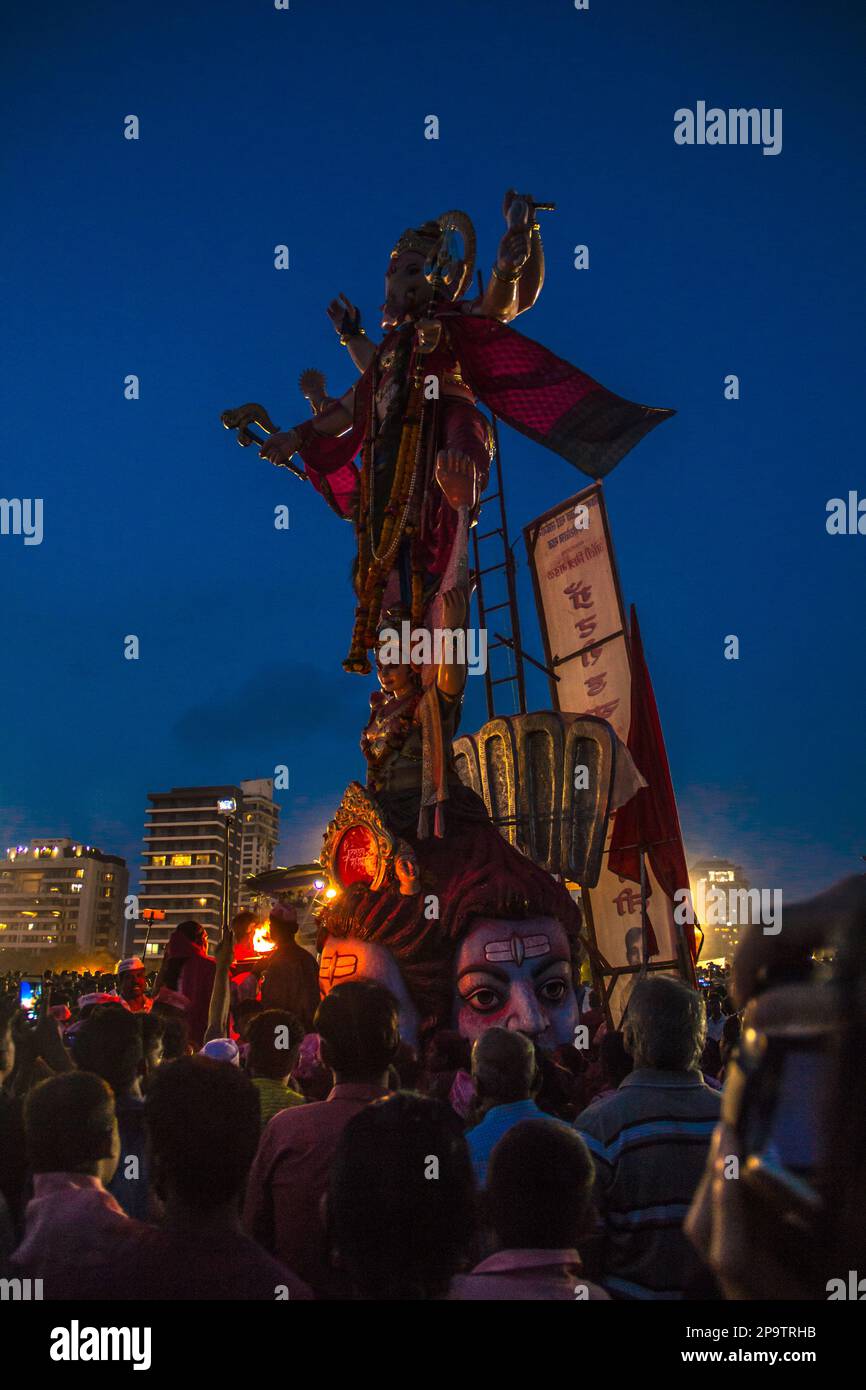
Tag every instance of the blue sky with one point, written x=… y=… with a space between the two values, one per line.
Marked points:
x=305 y=127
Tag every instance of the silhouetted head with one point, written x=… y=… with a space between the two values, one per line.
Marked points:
x=70 y=1126
x=401 y=1199
x=283 y=924
x=358 y=1026
x=503 y=1067
x=666 y=1024
x=193 y=931
x=274 y=1036
x=538 y=1194
x=204 y=1121
x=110 y=1044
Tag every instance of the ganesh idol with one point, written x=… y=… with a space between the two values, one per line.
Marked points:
x=405 y=453
x=467 y=930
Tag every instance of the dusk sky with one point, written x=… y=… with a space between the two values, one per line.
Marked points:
x=155 y=257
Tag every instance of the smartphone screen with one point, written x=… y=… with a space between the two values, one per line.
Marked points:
x=29 y=995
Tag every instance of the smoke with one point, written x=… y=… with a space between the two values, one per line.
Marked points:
x=730 y=823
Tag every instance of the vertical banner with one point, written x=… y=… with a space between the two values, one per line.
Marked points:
x=586 y=648
x=613 y=913
x=580 y=609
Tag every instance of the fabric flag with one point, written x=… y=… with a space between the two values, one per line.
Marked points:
x=650 y=818
x=525 y=384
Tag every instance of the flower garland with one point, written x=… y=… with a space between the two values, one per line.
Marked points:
x=399 y=521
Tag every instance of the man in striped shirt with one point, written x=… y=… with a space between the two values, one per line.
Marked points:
x=649 y=1141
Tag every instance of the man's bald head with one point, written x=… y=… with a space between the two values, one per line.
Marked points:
x=503 y=1066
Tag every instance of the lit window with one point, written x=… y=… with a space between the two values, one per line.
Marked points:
x=79 y=873
x=76 y=887
x=158 y=861
x=181 y=861
x=202 y=859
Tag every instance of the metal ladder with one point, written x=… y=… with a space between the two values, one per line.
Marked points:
x=509 y=639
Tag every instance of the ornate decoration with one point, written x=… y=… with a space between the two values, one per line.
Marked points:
x=314 y=389
x=423 y=240
x=546 y=780
x=358 y=847
x=461 y=223
x=448 y=263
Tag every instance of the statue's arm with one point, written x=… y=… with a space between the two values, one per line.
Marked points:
x=335 y=419
x=499 y=300
x=518 y=273
x=451 y=674
x=362 y=349
x=532 y=276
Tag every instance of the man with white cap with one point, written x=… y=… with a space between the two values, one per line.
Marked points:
x=132 y=985
x=222 y=1050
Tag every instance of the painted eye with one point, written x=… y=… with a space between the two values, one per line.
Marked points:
x=553 y=991
x=483 y=1000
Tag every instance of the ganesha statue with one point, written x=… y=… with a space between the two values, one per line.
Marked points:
x=469 y=927
x=405 y=452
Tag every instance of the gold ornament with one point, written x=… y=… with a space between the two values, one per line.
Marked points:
x=431 y=241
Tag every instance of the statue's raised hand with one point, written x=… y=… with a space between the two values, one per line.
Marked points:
x=344 y=316
x=513 y=252
x=515 y=246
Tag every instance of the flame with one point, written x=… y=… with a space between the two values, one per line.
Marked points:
x=262 y=939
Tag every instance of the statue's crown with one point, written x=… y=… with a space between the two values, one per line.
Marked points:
x=449 y=259
x=421 y=239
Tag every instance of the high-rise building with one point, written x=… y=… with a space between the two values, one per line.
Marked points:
x=260 y=831
x=55 y=893
x=185 y=853
x=191 y=847
x=720 y=895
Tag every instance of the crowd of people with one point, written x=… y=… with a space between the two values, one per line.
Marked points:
x=216 y=1131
